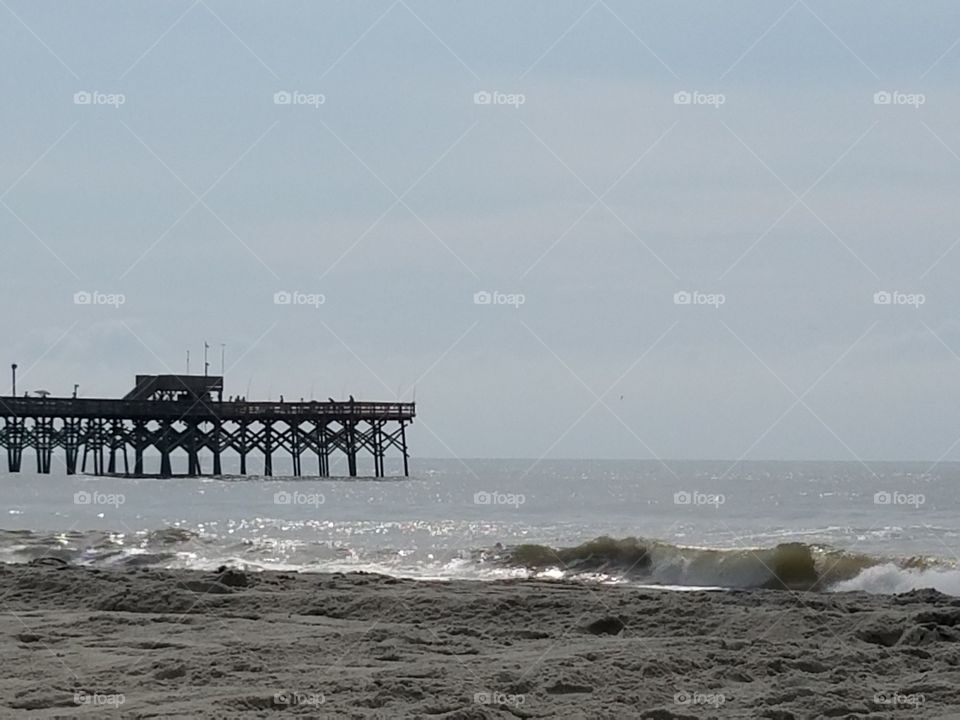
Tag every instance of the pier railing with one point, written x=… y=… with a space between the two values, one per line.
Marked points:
x=192 y=409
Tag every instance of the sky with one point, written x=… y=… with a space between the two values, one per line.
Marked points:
x=569 y=229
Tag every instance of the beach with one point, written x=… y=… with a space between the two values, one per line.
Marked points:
x=147 y=642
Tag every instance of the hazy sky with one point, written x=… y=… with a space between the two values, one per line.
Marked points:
x=145 y=155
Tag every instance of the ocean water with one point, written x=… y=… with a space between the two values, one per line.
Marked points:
x=886 y=527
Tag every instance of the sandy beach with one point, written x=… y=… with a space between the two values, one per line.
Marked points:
x=147 y=643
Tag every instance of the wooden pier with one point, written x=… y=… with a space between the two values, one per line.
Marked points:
x=164 y=414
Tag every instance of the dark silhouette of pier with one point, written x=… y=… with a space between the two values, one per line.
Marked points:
x=170 y=413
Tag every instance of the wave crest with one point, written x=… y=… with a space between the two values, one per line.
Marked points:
x=794 y=566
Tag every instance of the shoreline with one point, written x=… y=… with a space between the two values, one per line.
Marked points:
x=187 y=643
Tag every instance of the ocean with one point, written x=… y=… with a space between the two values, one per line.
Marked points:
x=879 y=527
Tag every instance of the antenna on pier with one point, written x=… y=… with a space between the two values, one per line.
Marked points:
x=206 y=364
x=223 y=358
x=188 y=362
x=13 y=386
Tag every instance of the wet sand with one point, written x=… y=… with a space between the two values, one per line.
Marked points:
x=146 y=643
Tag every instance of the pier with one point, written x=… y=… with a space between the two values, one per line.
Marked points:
x=164 y=414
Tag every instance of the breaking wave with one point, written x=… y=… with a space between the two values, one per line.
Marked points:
x=791 y=565
x=891 y=579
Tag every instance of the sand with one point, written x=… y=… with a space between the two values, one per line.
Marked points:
x=147 y=643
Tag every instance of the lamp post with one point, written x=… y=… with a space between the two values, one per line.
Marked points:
x=13 y=367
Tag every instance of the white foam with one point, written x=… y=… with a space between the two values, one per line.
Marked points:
x=890 y=579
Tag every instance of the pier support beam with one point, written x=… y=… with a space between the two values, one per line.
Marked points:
x=115 y=439
x=193 y=457
x=71 y=444
x=351 y=428
x=216 y=445
x=268 y=448
x=294 y=431
x=244 y=447
x=43 y=443
x=15 y=444
x=139 y=443
x=165 y=443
